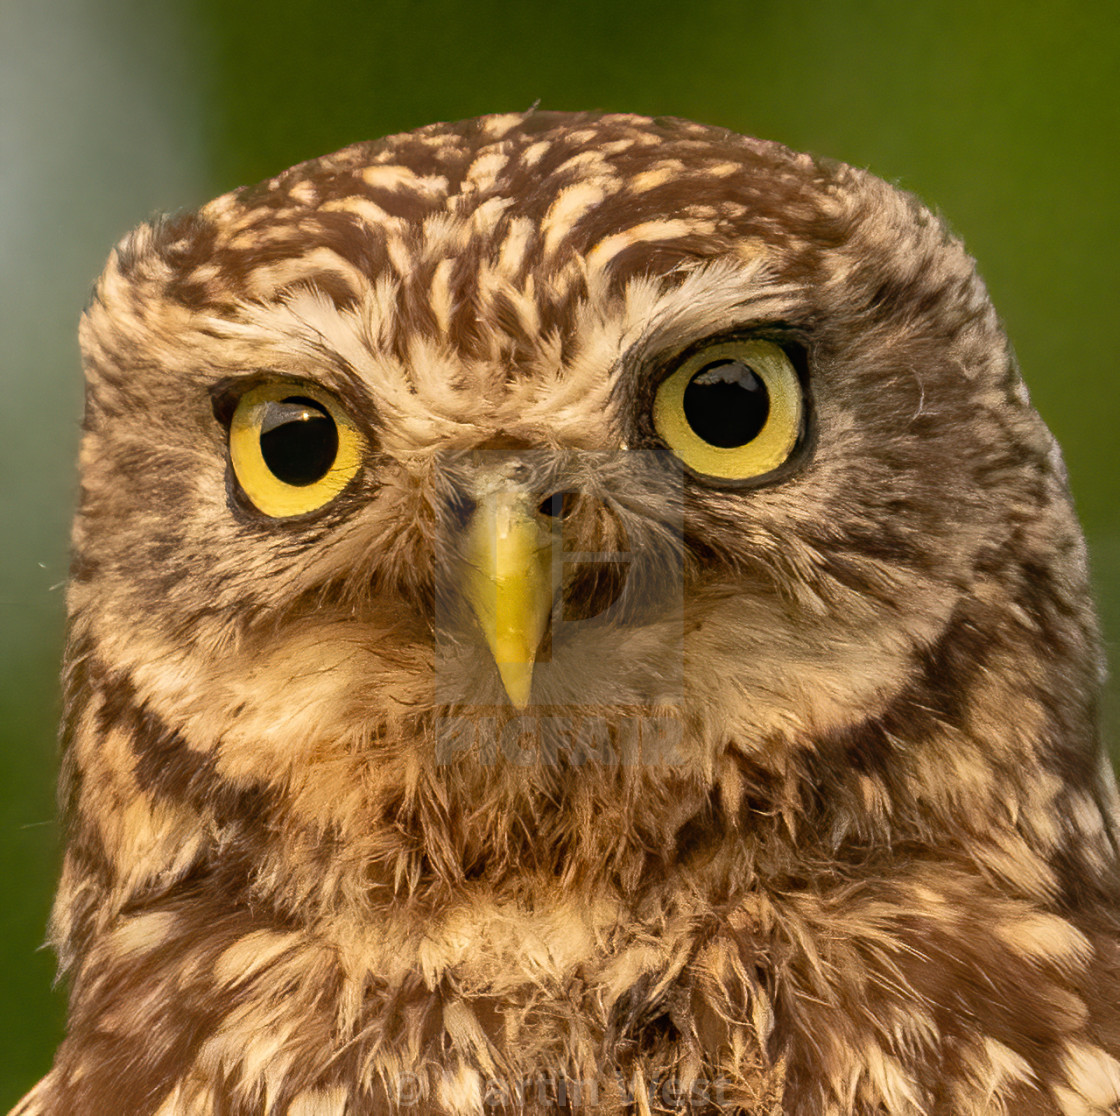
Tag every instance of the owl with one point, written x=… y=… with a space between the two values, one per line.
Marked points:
x=575 y=612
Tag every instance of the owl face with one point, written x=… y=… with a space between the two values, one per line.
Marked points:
x=401 y=464
x=563 y=591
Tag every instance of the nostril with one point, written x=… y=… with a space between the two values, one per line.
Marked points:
x=558 y=505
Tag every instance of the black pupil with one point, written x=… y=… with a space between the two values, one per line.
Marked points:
x=299 y=440
x=726 y=403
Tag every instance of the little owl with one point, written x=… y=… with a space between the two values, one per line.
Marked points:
x=575 y=613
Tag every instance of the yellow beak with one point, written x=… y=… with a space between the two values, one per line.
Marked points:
x=508 y=583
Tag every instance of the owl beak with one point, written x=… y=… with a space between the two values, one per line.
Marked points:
x=508 y=583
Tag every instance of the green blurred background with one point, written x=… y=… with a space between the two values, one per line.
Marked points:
x=1003 y=115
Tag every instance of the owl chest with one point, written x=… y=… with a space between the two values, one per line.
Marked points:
x=515 y=1000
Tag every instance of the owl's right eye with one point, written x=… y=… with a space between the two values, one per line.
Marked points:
x=293 y=448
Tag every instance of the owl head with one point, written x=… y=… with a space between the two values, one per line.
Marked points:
x=579 y=498
x=424 y=482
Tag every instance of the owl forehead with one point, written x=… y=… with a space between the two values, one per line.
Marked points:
x=523 y=195
x=487 y=234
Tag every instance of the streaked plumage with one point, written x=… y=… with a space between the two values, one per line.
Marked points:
x=873 y=870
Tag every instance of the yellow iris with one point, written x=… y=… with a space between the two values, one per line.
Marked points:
x=732 y=410
x=293 y=448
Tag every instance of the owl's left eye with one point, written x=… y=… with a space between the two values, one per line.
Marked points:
x=733 y=410
x=293 y=448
